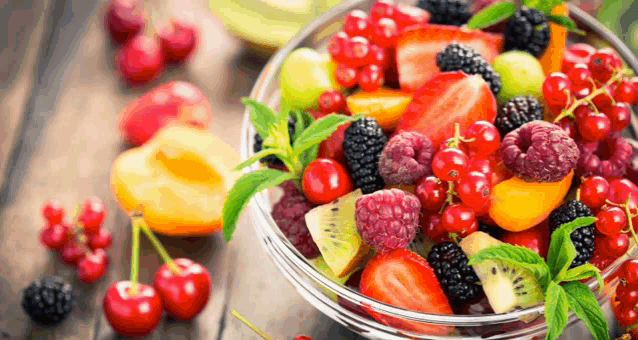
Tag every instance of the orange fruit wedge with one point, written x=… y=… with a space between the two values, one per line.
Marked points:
x=552 y=59
x=384 y=105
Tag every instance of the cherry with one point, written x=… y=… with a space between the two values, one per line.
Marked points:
x=357 y=24
x=125 y=19
x=346 y=76
x=626 y=316
x=55 y=236
x=576 y=54
x=184 y=294
x=625 y=92
x=593 y=191
x=580 y=76
x=459 y=219
x=432 y=193
x=331 y=101
x=356 y=50
x=325 y=180
x=382 y=9
x=449 y=164
x=132 y=314
x=140 y=61
x=486 y=138
x=616 y=245
x=474 y=189
x=93 y=214
x=337 y=45
x=370 y=78
x=594 y=127
x=72 y=253
x=177 y=40
x=619 y=116
x=629 y=272
x=101 y=240
x=385 y=32
x=532 y=239
x=556 y=89
x=93 y=266
x=53 y=211
x=378 y=56
x=603 y=64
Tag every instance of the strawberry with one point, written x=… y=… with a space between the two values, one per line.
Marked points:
x=407 y=16
x=447 y=99
x=404 y=279
x=331 y=146
x=417 y=49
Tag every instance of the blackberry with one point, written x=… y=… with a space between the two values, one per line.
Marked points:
x=584 y=237
x=48 y=302
x=459 y=281
x=447 y=12
x=363 y=142
x=272 y=159
x=458 y=57
x=516 y=112
x=492 y=230
x=527 y=30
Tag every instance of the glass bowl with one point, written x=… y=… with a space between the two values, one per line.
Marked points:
x=323 y=293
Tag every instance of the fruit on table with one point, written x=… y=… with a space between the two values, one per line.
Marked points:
x=386 y=106
x=55 y=236
x=506 y=286
x=93 y=215
x=178 y=40
x=446 y=100
x=334 y=230
x=325 y=180
x=53 y=211
x=140 y=61
x=132 y=313
x=48 y=302
x=552 y=59
x=181 y=177
x=103 y=239
x=417 y=49
x=403 y=279
x=93 y=266
x=304 y=76
x=174 y=101
x=323 y=267
x=521 y=74
x=184 y=293
x=518 y=205
x=125 y=19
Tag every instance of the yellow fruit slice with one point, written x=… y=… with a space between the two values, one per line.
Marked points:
x=386 y=106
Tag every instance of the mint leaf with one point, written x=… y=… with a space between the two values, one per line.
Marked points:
x=320 y=130
x=518 y=256
x=492 y=15
x=583 y=303
x=545 y=6
x=246 y=186
x=556 y=310
x=261 y=116
x=565 y=21
x=259 y=155
x=300 y=124
x=309 y=155
x=585 y=271
x=562 y=252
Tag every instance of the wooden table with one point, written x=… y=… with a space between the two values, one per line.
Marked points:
x=59 y=99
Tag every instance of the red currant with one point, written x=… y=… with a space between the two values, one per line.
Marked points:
x=604 y=100
x=474 y=189
x=378 y=56
x=593 y=191
x=93 y=214
x=382 y=9
x=616 y=245
x=602 y=65
x=356 y=51
x=626 y=316
x=72 y=253
x=450 y=141
x=346 y=76
x=556 y=89
x=449 y=164
x=331 y=101
x=385 y=32
x=337 y=45
x=370 y=78
x=580 y=76
x=486 y=138
x=482 y=165
x=459 y=219
x=357 y=24
x=567 y=124
x=619 y=116
x=582 y=111
x=599 y=261
x=575 y=54
x=634 y=83
x=103 y=239
x=406 y=16
x=627 y=294
x=594 y=127
x=93 y=266
x=629 y=272
x=625 y=92
x=325 y=180
x=432 y=193
x=53 y=211
x=433 y=228
x=55 y=236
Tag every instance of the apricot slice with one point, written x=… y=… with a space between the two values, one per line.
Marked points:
x=386 y=106
x=518 y=205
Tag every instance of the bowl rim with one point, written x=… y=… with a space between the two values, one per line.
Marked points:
x=260 y=202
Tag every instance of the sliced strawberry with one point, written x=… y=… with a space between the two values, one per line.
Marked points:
x=407 y=16
x=447 y=99
x=404 y=279
x=417 y=49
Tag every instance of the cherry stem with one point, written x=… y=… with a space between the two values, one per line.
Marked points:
x=135 y=255
x=158 y=245
x=245 y=322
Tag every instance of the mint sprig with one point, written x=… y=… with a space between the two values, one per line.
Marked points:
x=273 y=128
x=560 y=284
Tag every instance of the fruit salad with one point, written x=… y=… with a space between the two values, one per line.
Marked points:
x=450 y=155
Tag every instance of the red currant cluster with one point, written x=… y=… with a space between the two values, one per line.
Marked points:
x=461 y=186
x=83 y=244
x=363 y=47
x=626 y=300
x=332 y=101
x=591 y=98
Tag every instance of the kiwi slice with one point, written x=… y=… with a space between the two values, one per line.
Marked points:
x=507 y=287
x=333 y=228
x=320 y=264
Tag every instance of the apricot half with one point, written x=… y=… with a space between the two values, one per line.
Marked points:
x=518 y=205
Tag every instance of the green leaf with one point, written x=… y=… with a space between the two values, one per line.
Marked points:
x=261 y=116
x=545 y=6
x=518 y=256
x=562 y=252
x=320 y=130
x=565 y=21
x=492 y=15
x=585 y=271
x=259 y=155
x=300 y=124
x=246 y=186
x=583 y=303
x=310 y=155
x=556 y=310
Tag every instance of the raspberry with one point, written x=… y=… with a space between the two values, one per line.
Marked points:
x=584 y=238
x=48 y=302
x=607 y=158
x=527 y=31
x=363 y=142
x=447 y=12
x=516 y=112
x=406 y=158
x=539 y=152
x=289 y=214
x=387 y=219
x=459 y=281
x=457 y=57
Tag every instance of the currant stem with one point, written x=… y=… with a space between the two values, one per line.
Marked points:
x=629 y=222
x=245 y=322
x=135 y=257
x=157 y=245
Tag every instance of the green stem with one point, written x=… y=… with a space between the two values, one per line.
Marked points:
x=245 y=322
x=629 y=222
x=135 y=258
x=157 y=245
